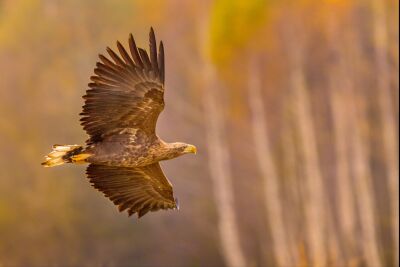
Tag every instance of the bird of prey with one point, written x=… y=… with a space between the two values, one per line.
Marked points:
x=124 y=99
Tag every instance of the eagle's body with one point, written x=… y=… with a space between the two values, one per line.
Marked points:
x=120 y=114
x=132 y=148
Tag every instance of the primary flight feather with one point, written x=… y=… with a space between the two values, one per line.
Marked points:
x=122 y=105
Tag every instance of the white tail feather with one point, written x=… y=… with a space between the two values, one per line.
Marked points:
x=55 y=157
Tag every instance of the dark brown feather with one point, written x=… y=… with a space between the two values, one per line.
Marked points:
x=134 y=52
x=153 y=51
x=138 y=190
x=126 y=93
x=145 y=58
x=107 y=62
x=161 y=63
x=124 y=54
x=115 y=57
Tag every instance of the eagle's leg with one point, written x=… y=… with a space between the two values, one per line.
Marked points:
x=80 y=158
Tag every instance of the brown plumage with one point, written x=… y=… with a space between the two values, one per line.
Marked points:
x=122 y=105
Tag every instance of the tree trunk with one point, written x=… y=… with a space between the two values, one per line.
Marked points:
x=220 y=171
x=267 y=167
x=339 y=86
x=315 y=209
x=363 y=184
x=293 y=192
x=388 y=120
x=345 y=199
x=218 y=150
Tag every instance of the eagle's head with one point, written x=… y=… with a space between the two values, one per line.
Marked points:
x=182 y=148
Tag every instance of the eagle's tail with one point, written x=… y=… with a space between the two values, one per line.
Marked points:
x=65 y=154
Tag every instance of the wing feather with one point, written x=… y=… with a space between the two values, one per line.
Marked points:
x=138 y=190
x=153 y=52
x=115 y=57
x=126 y=91
x=145 y=58
x=161 y=62
x=134 y=52
x=125 y=55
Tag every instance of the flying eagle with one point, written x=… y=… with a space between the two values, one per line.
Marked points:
x=124 y=99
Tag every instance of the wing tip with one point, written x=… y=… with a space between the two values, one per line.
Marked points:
x=153 y=51
x=176 y=204
x=119 y=45
x=161 y=61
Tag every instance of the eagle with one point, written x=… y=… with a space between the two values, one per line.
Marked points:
x=120 y=112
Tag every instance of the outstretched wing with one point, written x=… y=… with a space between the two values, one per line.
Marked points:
x=125 y=92
x=137 y=190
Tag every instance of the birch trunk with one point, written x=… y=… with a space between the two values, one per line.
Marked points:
x=321 y=232
x=294 y=189
x=314 y=201
x=363 y=185
x=339 y=86
x=220 y=171
x=389 y=123
x=267 y=167
x=347 y=213
x=359 y=151
x=218 y=153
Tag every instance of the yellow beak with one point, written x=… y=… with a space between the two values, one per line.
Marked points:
x=190 y=149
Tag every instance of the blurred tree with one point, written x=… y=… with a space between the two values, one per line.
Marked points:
x=219 y=160
x=388 y=121
x=339 y=85
x=267 y=167
x=315 y=206
x=220 y=171
x=236 y=35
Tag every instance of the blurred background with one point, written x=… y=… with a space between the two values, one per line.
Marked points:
x=293 y=106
